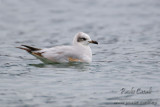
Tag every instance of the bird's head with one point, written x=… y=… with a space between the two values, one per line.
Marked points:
x=83 y=39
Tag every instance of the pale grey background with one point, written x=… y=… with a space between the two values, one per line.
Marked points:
x=128 y=54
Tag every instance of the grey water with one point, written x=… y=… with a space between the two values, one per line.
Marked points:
x=126 y=64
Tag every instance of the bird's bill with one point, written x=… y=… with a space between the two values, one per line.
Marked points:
x=94 y=42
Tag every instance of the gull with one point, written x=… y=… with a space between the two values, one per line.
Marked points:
x=79 y=51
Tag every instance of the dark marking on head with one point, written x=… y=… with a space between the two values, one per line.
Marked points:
x=81 y=39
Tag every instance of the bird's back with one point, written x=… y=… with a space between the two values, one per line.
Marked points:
x=63 y=54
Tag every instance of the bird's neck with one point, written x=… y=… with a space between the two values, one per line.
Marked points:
x=85 y=48
x=81 y=45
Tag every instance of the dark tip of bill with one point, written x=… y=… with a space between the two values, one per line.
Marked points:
x=95 y=42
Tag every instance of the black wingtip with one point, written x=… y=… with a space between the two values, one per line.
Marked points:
x=31 y=48
x=26 y=49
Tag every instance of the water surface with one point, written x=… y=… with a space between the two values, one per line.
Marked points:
x=128 y=54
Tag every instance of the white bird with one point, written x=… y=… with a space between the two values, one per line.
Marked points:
x=79 y=51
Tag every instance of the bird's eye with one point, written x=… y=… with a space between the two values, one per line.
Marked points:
x=83 y=39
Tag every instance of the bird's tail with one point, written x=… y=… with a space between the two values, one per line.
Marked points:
x=28 y=48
